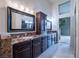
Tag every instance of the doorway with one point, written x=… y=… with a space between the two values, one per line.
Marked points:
x=64 y=25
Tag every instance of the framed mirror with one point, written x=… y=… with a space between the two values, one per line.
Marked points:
x=49 y=25
x=18 y=21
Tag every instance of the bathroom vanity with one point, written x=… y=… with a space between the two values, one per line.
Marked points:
x=27 y=37
x=29 y=47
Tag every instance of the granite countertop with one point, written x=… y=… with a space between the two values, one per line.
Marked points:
x=7 y=42
x=22 y=39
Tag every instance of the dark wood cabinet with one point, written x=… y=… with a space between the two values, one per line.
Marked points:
x=43 y=43
x=36 y=47
x=52 y=39
x=22 y=50
x=40 y=23
x=33 y=48
x=54 y=36
x=49 y=43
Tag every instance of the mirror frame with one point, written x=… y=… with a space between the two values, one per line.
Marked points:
x=9 y=20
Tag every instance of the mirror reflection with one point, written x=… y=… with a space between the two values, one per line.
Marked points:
x=20 y=21
x=49 y=25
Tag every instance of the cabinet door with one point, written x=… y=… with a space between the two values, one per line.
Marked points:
x=44 y=44
x=52 y=39
x=22 y=50
x=40 y=18
x=23 y=54
x=42 y=25
x=49 y=41
x=36 y=48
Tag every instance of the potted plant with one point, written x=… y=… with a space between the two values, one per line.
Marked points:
x=61 y=25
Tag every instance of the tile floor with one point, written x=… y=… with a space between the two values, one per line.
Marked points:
x=60 y=50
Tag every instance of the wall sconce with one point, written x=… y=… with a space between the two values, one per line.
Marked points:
x=29 y=10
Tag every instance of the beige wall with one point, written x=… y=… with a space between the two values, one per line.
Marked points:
x=3 y=16
x=37 y=5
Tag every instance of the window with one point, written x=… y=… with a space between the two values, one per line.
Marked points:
x=64 y=8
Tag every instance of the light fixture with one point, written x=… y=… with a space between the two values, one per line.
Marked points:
x=21 y=7
x=9 y=3
x=31 y=11
x=27 y=10
x=15 y=5
x=12 y=4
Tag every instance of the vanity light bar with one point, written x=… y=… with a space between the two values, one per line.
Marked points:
x=19 y=7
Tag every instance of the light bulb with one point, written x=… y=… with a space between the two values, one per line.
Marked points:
x=9 y=3
x=31 y=11
x=15 y=5
x=27 y=10
x=22 y=8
